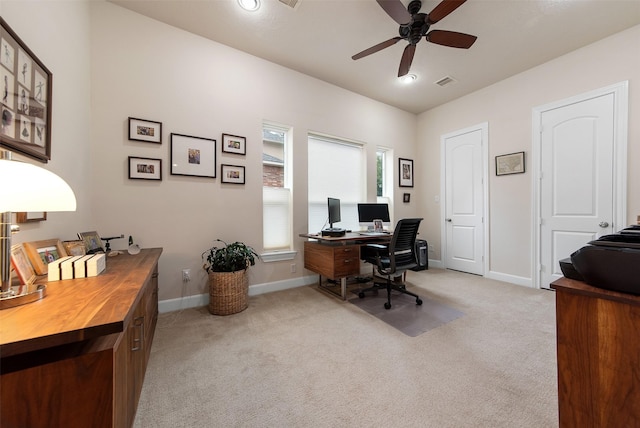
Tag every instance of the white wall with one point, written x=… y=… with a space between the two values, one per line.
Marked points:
x=145 y=69
x=507 y=107
x=58 y=34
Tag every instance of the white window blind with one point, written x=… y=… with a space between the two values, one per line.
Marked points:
x=276 y=217
x=336 y=169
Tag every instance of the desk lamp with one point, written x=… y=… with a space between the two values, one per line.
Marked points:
x=25 y=187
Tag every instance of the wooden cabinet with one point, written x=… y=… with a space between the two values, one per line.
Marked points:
x=598 y=348
x=332 y=261
x=87 y=365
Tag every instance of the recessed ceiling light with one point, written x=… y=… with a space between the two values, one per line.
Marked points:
x=249 y=5
x=408 y=78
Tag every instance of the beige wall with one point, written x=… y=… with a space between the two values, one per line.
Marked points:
x=507 y=107
x=109 y=63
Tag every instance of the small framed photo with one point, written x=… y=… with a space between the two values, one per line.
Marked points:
x=194 y=156
x=21 y=265
x=232 y=174
x=406 y=198
x=234 y=144
x=145 y=130
x=377 y=226
x=74 y=248
x=28 y=217
x=405 y=171
x=513 y=163
x=145 y=168
x=41 y=253
x=92 y=242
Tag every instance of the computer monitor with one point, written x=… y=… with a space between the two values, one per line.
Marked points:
x=367 y=213
x=333 y=205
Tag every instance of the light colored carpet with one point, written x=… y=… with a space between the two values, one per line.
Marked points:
x=404 y=314
x=302 y=358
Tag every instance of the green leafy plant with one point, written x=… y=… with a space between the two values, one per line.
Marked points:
x=229 y=258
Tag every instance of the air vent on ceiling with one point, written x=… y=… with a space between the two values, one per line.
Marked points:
x=445 y=81
x=291 y=3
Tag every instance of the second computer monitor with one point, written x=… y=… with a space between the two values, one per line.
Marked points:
x=367 y=213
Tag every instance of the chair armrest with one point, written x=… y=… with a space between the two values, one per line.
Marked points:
x=378 y=247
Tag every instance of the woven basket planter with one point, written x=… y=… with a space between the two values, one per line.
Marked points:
x=228 y=292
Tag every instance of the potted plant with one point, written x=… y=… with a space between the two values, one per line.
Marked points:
x=228 y=282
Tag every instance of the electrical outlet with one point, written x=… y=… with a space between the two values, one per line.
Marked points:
x=431 y=248
x=186 y=275
x=293 y=268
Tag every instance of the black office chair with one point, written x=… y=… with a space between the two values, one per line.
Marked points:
x=393 y=260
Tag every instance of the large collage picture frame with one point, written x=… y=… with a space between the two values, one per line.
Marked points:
x=25 y=98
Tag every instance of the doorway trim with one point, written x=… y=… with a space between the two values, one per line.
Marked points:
x=620 y=92
x=483 y=127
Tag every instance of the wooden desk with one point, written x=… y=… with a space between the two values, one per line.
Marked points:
x=77 y=358
x=598 y=356
x=336 y=258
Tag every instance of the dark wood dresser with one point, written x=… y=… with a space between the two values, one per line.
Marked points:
x=77 y=358
x=598 y=338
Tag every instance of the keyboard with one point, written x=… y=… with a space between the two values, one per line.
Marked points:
x=373 y=233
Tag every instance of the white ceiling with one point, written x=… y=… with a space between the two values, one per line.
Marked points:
x=318 y=38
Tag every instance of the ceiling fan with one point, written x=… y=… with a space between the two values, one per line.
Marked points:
x=414 y=25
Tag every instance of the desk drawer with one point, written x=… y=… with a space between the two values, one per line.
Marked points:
x=346 y=261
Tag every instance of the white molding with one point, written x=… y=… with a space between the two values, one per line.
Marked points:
x=278 y=256
x=436 y=264
x=511 y=279
x=620 y=92
x=199 y=300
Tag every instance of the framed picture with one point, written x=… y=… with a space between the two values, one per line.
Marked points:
x=28 y=217
x=145 y=168
x=92 y=242
x=406 y=198
x=145 y=130
x=377 y=226
x=513 y=163
x=234 y=144
x=25 y=94
x=21 y=265
x=232 y=174
x=405 y=171
x=193 y=156
x=41 y=253
x=74 y=248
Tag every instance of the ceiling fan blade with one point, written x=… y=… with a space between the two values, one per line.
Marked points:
x=407 y=59
x=396 y=10
x=443 y=9
x=376 y=48
x=451 y=38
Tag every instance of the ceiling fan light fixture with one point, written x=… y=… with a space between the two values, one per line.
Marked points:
x=408 y=78
x=250 y=5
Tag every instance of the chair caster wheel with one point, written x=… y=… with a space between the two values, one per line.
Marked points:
x=418 y=302
x=387 y=305
x=361 y=295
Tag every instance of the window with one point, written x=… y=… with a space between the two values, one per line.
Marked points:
x=336 y=169
x=276 y=188
x=384 y=177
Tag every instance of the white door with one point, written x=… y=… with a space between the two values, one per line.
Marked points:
x=464 y=204
x=576 y=188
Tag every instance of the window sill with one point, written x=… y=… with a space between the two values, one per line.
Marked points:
x=278 y=256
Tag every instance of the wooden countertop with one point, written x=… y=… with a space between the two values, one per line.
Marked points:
x=582 y=288
x=78 y=309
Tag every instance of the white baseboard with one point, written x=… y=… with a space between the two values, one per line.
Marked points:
x=199 y=300
x=512 y=279
x=436 y=264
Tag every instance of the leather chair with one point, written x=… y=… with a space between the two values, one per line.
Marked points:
x=393 y=260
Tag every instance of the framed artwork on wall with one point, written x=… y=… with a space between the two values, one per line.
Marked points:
x=234 y=144
x=194 y=156
x=405 y=171
x=145 y=130
x=145 y=168
x=232 y=174
x=28 y=217
x=25 y=92
x=513 y=163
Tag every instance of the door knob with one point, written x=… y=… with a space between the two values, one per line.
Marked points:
x=448 y=220
x=603 y=224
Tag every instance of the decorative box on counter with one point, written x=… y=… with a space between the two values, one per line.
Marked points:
x=77 y=267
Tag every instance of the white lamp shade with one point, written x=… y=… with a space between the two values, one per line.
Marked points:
x=26 y=187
